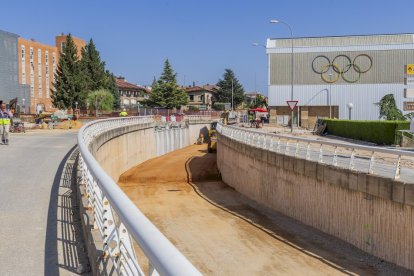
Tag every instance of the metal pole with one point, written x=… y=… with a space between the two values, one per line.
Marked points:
x=291 y=70
x=349 y=115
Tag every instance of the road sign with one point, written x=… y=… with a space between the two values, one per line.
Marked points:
x=409 y=80
x=227 y=106
x=292 y=104
x=410 y=69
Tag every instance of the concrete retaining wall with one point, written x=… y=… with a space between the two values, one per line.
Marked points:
x=118 y=150
x=373 y=213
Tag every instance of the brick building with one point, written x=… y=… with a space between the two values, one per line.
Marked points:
x=37 y=67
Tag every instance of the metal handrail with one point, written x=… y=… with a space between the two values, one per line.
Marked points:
x=291 y=145
x=328 y=143
x=163 y=256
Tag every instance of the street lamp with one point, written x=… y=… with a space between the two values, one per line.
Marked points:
x=350 y=106
x=274 y=21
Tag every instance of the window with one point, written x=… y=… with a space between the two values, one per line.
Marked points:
x=47 y=73
x=202 y=98
x=23 y=65
x=191 y=98
x=54 y=65
x=62 y=46
x=39 y=73
x=31 y=72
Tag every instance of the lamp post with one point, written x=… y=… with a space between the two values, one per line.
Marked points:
x=24 y=106
x=255 y=90
x=350 y=106
x=274 y=21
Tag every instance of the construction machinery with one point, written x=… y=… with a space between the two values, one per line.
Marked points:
x=212 y=141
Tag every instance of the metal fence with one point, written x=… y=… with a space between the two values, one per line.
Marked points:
x=117 y=217
x=390 y=163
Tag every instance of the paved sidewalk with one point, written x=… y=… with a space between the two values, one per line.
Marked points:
x=38 y=234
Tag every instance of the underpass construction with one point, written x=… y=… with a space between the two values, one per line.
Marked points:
x=223 y=232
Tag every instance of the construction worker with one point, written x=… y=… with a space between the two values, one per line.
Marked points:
x=5 y=121
x=123 y=113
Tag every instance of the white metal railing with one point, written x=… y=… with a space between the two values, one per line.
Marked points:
x=117 y=217
x=391 y=163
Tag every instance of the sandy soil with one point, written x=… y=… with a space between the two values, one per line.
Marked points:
x=224 y=233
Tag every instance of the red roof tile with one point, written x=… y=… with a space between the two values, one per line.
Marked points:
x=122 y=84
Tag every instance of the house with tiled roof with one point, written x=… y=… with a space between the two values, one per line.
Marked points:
x=201 y=97
x=131 y=94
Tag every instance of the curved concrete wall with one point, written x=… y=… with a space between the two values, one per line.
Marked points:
x=373 y=213
x=120 y=149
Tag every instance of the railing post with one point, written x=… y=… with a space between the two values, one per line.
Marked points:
x=335 y=157
x=320 y=154
x=371 y=163
x=397 y=174
x=297 y=149
x=352 y=160
x=308 y=151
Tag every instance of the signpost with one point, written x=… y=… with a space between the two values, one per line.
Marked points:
x=292 y=105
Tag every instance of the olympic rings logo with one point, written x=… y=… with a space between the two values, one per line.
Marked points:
x=341 y=67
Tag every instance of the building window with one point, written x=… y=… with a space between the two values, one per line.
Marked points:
x=47 y=73
x=39 y=73
x=202 y=98
x=62 y=46
x=54 y=65
x=191 y=98
x=23 y=65
x=31 y=72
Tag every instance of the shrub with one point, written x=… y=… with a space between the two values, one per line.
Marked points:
x=379 y=132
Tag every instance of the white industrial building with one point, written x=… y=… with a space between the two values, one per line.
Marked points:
x=336 y=71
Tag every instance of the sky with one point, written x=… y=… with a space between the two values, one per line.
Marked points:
x=200 y=38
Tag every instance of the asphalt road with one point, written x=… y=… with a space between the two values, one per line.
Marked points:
x=33 y=166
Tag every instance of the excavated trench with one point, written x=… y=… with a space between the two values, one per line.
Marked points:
x=224 y=233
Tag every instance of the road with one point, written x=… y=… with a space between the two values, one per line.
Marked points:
x=38 y=235
x=224 y=233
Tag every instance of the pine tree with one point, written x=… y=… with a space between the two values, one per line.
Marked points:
x=224 y=91
x=68 y=85
x=95 y=75
x=166 y=92
x=93 y=67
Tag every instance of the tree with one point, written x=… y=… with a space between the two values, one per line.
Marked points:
x=166 y=92
x=68 y=84
x=259 y=101
x=94 y=74
x=390 y=111
x=110 y=84
x=224 y=91
x=101 y=100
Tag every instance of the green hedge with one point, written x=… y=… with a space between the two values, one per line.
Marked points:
x=379 y=132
